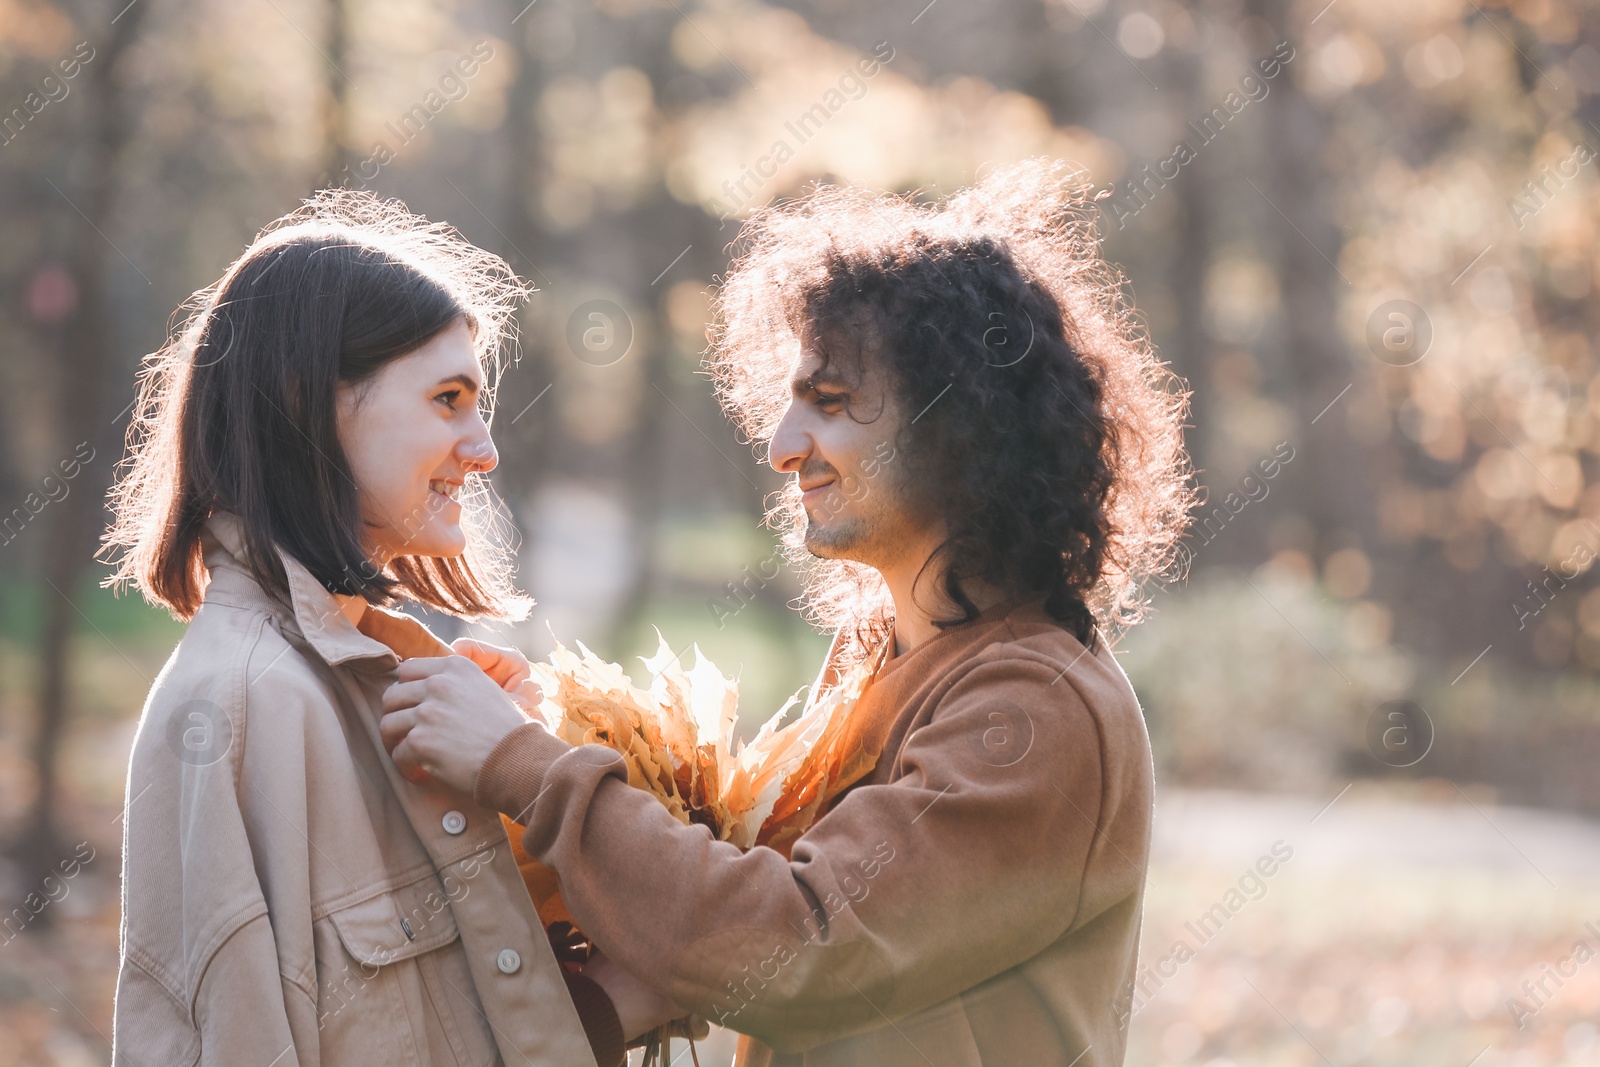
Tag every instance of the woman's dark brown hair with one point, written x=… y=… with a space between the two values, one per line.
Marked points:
x=237 y=412
x=1049 y=438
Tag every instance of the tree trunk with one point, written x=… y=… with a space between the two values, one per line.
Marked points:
x=534 y=428
x=337 y=157
x=92 y=383
x=1296 y=197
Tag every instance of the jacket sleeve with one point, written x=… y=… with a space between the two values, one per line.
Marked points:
x=241 y=1011
x=203 y=978
x=247 y=1011
x=974 y=859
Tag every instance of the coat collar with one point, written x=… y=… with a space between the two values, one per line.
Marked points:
x=319 y=615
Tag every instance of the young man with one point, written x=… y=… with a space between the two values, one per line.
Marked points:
x=986 y=459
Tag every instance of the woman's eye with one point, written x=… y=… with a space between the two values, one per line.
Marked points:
x=449 y=398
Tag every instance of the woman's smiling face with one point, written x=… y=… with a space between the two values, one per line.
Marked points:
x=412 y=433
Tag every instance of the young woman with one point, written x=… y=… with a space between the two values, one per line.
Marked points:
x=310 y=447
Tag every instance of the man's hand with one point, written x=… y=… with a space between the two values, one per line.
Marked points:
x=509 y=668
x=639 y=1007
x=444 y=716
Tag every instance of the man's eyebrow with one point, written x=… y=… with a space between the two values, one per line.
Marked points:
x=466 y=380
x=811 y=383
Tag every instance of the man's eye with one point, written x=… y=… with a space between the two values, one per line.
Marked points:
x=829 y=399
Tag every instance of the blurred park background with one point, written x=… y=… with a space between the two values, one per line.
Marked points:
x=1365 y=232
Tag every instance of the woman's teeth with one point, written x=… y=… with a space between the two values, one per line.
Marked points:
x=445 y=489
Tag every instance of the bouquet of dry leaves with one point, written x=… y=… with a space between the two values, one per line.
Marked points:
x=677 y=739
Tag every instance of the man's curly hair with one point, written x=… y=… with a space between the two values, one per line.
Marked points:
x=1049 y=438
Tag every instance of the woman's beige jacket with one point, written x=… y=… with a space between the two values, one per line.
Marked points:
x=287 y=897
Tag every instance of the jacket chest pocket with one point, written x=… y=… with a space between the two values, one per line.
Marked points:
x=394 y=986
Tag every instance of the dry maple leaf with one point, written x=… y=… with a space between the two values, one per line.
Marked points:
x=677 y=740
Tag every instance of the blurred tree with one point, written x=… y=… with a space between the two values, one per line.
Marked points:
x=1335 y=492
x=528 y=240
x=339 y=156
x=89 y=387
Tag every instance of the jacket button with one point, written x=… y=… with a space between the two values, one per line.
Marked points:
x=454 y=822
x=508 y=961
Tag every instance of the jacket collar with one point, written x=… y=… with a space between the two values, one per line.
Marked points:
x=318 y=614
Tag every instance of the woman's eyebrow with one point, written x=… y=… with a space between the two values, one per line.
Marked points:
x=466 y=380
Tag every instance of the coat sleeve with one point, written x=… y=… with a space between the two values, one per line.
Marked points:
x=237 y=1009
x=905 y=894
x=204 y=978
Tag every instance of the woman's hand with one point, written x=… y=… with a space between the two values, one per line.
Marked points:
x=509 y=668
x=639 y=1007
x=444 y=716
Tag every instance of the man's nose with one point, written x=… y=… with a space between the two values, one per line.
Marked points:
x=790 y=444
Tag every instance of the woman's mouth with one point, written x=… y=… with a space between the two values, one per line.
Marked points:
x=445 y=490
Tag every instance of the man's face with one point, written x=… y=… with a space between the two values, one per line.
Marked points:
x=837 y=437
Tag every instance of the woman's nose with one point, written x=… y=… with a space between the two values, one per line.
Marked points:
x=478 y=453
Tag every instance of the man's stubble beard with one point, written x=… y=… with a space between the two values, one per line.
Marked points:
x=871 y=536
x=842 y=539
